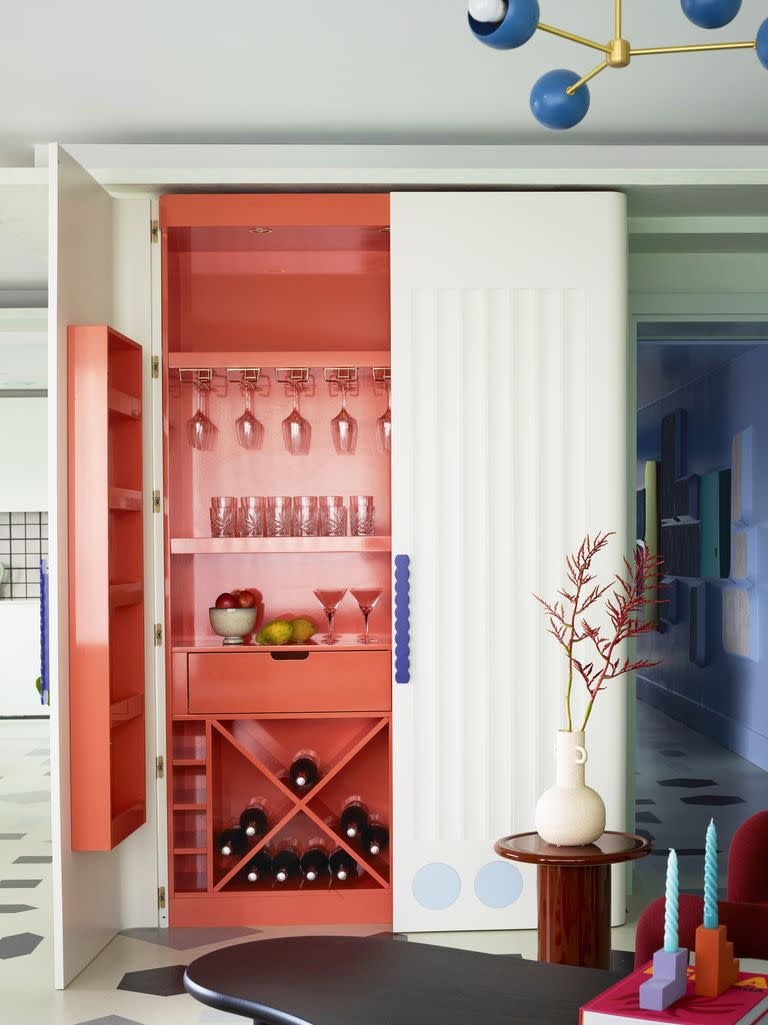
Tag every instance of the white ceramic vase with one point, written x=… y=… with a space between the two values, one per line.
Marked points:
x=570 y=814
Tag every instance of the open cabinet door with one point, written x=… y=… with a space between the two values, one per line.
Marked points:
x=509 y=388
x=99 y=273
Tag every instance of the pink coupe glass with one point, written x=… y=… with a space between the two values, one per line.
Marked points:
x=367 y=599
x=330 y=600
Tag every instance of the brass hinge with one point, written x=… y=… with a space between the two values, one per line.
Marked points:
x=158 y=634
x=159 y=767
x=155 y=367
x=161 y=896
x=155 y=231
x=156 y=504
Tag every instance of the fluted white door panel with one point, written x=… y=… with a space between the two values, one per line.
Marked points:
x=509 y=398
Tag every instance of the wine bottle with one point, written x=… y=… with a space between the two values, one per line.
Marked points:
x=343 y=866
x=253 y=820
x=286 y=862
x=376 y=837
x=304 y=770
x=354 y=818
x=260 y=866
x=315 y=859
x=232 y=842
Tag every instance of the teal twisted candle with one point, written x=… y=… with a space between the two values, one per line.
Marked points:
x=671 y=942
x=710 y=878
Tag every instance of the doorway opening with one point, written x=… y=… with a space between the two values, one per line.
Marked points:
x=702 y=497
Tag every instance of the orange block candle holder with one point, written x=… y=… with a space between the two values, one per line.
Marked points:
x=716 y=968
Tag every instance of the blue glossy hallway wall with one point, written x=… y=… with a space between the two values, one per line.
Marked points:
x=727 y=698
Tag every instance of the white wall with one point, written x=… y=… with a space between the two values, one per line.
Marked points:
x=23 y=488
x=23 y=454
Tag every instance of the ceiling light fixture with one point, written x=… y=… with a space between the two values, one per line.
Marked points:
x=560 y=98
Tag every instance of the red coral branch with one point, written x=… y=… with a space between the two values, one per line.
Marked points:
x=625 y=609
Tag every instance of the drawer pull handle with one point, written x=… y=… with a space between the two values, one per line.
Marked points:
x=289 y=656
x=402 y=619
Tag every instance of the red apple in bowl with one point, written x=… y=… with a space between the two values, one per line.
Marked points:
x=246 y=599
x=226 y=601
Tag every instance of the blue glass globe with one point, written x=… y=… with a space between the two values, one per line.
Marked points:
x=516 y=28
x=552 y=106
x=761 y=44
x=711 y=13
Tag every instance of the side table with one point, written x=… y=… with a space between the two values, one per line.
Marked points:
x=574 y=886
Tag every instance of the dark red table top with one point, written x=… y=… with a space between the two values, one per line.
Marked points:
x=610 y=849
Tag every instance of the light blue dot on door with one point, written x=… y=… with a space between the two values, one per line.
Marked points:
x=498 y=884
x=436 y=886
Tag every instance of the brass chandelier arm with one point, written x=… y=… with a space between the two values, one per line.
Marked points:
x=618 y=19
x=696 y=48
x=573 y=38
x=588 y=77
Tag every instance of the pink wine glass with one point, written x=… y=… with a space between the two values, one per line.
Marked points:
x=344 y=428
x=249 y=430
x=330 y=600
x=384 y=427
x=367 y=599
x=201 y=431
x=297 y=431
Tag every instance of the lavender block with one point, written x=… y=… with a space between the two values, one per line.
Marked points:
x=669 y=981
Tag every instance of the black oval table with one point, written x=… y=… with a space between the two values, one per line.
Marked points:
x=346 y=980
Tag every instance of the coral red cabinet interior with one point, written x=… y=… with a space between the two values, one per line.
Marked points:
x=106 y=560
x=274 y=289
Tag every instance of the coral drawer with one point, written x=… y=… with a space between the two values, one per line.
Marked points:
x=263 y=681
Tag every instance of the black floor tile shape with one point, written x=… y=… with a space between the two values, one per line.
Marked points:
x=644 y=800
x=157 y=982
x=189 y=938
x=111 y=1019
x=19 y=945
x=12 y=836
x=19 y=884
x=686 y=783
x=31 y=859
x=622 y=961
x=712 y=800
x=644 y=833
x=14 y=909
x=672 y=753
x=647 y=817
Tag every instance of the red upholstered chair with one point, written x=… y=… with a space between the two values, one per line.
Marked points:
x=747 y=926
x=747 y=859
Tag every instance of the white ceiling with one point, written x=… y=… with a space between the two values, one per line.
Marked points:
x=349 y=70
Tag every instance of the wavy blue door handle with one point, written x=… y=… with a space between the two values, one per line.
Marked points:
x=402 y=619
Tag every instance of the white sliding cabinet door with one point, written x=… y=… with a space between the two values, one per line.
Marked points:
x=509 y=369
x=99 y=273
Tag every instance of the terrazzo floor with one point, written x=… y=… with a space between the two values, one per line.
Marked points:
x=136 y=980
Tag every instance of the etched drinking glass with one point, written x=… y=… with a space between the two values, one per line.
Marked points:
x=361 y=515
x=305 y=516
x=333 y=516
x=251 y=516
x=280 y=516
x=223 y=516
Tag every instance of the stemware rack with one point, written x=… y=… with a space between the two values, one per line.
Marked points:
x=315 y=283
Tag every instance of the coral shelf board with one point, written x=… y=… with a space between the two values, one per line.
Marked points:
x=125 y=594
x=269 y=359
x=128 y=821
x=122 y=712
x=190 y=807
x=345 y=642
x=277 y=545
x=125 y=500
x=122 y=404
